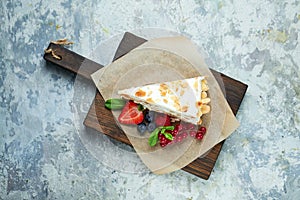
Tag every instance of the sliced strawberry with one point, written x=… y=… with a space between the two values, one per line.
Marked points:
x=131 y=114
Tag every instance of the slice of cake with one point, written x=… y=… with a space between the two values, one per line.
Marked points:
x=186 y=99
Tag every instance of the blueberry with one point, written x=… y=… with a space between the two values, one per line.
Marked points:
x=149 y=116
x=151 y=127
x=142 y=127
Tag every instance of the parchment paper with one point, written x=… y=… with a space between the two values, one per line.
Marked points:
x=160 y=60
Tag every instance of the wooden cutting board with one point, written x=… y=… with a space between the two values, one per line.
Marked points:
x=102 y=120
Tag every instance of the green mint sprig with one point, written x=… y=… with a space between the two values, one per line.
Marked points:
x=153 y=139
x=115 y=104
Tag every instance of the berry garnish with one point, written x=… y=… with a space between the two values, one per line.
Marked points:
x=184 y=134
x=161 y=134
x=131 y=114
x=163 y=120
x=199 y=136
x=188 y=126
x=193 y=133
x=149 y=116
x=163 y=144
x=163 y=140
x=179 y=138
x=166 y=135
x=202 y=129
x=151 y=127
x=142 y=127
x=179 y=127
x=174 y=132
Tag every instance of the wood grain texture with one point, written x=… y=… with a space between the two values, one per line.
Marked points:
x=72 y=61
x=102 y=120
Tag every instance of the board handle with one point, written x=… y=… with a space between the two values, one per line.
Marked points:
x=67 y=59
x=70 y=60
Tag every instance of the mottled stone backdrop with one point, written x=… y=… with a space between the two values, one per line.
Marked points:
x=42 y=153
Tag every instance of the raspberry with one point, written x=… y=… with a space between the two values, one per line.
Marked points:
x=163 y=120
x=178 y=127
x=163 y=144
x=160 y=136
x=174 y=132
x=163 y=139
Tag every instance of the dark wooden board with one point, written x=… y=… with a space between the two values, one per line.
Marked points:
x=102 y=120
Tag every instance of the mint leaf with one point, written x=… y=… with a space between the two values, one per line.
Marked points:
x=171 y=128
x=168 y=136
x=153 y=137
x=140 y=107
x=115 y=104
x=162 y=129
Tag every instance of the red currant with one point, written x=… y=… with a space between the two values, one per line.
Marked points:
x=199 y=136
x=193 y=133
x=163 y=144
x=200 y=132
x=179 y=138
x=178 y=127
x=174 y=139
x=202 y=129
x=184 y=135
x=163 y=140
x=188 y=126
x=160 y=136
x=171 y=142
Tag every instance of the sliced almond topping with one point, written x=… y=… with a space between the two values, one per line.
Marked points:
x=198 y=104
x=176 y=101
x=165 y=101
x=163 y=93
x=203 y=95
x=205 y=100
x=205 y=109
x=184 y=108
x=181 y=92
x=140 y=93
x=174 y=98
x=199 y=114
x=163 y=86
x=184 y=84
x=149 y=100
x=204 y=86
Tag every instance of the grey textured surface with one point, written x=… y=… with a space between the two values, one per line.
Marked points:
x=45 y=152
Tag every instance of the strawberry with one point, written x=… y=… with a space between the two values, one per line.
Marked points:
x=131 y=114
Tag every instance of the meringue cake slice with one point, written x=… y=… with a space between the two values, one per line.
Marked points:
x=184 y=100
